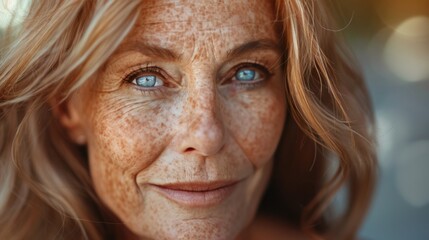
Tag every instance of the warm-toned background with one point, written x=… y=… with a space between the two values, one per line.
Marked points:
x=391 y=40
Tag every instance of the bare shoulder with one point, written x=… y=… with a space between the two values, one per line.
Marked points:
x=271 y=228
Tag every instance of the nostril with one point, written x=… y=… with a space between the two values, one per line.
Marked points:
x=189 y=149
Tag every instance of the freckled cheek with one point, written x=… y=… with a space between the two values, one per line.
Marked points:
x=131 y=137
x=122 y=142
x=258 y=126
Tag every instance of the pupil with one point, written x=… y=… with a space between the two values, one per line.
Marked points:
x=246 y=75
x=146 y=81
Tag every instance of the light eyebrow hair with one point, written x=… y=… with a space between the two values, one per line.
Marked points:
x=151 y=50
x=262 y=44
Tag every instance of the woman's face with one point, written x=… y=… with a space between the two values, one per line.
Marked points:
x=188 y=112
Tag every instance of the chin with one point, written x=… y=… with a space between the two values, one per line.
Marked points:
x=173 y=221
x=209 y=229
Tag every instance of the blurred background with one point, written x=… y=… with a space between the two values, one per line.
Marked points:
x=391 y=40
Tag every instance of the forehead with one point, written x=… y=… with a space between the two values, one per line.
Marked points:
x=206 y=14
x=176 y=24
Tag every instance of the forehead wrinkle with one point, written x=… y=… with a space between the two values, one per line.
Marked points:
x=186 y=26
x=162 y=12
x=215 y=57
x=204 y=49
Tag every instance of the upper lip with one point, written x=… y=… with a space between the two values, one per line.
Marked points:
x=196 y=186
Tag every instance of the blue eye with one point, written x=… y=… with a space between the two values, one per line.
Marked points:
x=246 y=75
x=148 y=81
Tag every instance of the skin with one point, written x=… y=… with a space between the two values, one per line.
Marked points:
x=201 y=125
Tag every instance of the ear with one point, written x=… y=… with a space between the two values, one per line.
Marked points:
x=69 y=116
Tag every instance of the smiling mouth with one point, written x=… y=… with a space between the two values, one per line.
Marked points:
x=197 y=194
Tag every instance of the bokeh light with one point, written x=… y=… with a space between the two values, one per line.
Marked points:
x=407 y=50
x=391 y=40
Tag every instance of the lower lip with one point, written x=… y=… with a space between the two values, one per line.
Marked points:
x=197 y=198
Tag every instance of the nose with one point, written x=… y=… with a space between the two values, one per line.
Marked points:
x=203 y=129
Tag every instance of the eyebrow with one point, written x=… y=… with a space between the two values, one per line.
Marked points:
x=262 y=44
x=151 y=50
x=168 y=54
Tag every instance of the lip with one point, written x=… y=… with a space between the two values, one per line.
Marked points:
x=197 y=194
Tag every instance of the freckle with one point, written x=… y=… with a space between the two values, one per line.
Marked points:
x=156 y=110
x=193 y=103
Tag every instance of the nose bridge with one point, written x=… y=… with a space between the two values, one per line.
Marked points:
x=204 y=108
x=202 y=89
x=203 y=120
x=203 y=98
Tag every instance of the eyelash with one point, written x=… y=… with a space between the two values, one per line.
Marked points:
x=158 y=72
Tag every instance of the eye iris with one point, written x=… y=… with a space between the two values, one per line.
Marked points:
x=146 y=81
x=245 y=75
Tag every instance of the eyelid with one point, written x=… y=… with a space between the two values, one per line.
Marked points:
x=142 y=70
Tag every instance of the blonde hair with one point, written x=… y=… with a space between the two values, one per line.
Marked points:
x=46 y=191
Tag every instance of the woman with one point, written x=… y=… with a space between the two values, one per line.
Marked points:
x=172 y=119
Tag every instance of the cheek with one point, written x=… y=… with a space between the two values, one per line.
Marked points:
x=124 y=137
x=257 y=124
